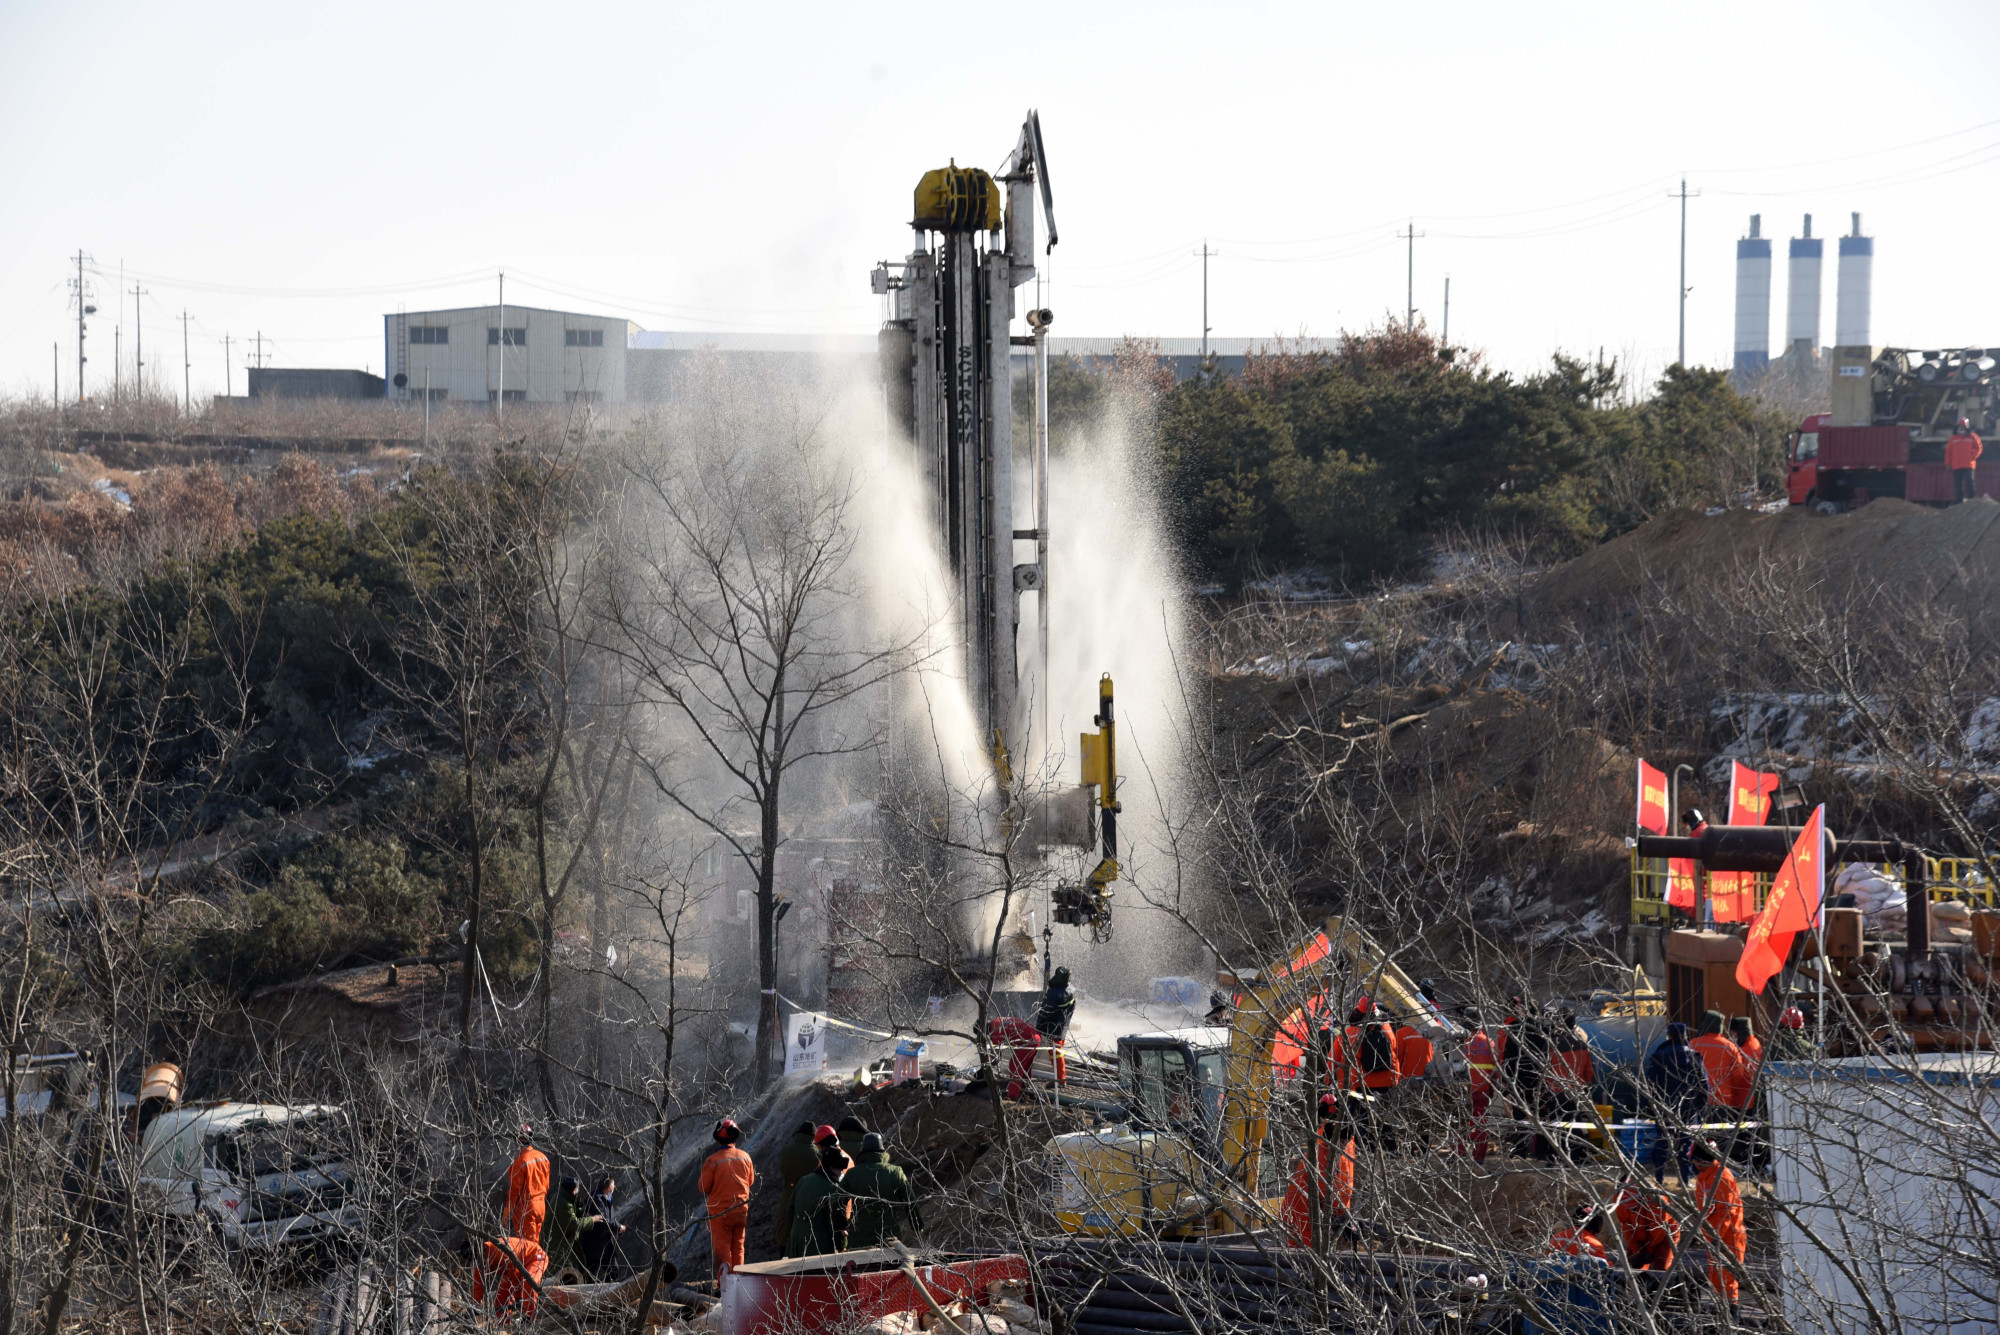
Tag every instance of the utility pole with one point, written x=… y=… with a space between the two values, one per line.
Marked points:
x=500 y=399
x=83 y=308
x=1682 y=358
x=260 y=349
x=118 y=336
x=1410 y=291
x=228 y=392
x=1444 y=341
x=138 y=345
x=1206 y=254
x=187 y=368
x=55 y=380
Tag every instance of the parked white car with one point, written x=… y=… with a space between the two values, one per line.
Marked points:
x=265 y=1176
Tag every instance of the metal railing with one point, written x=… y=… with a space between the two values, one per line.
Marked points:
x=1948 y=879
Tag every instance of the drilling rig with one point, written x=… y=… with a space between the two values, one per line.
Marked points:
x=947 y=374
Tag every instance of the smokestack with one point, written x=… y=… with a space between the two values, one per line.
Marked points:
x=1753 y=301
x=1802 y=296
x=1852 y=288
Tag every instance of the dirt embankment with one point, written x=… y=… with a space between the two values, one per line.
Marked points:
x=1899 y=548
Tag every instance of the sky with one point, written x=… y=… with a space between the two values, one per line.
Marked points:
x=296 y=172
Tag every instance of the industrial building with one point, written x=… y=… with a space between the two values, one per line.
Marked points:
x=1805 y=258
x=511 y=354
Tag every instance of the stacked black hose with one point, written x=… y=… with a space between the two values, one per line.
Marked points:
x=1152 y=1287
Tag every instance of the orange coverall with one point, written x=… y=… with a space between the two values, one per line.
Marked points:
x=1729 y=1070
x=1347 y=1060
x=1721 y=1203
x=527 y=1193
x=1296 y=1209
x=1482 y=1060
x=497 y=1273
x=726 y=1179
x=1575 y=1241
x=1413 y=1052
x=1649 y=1228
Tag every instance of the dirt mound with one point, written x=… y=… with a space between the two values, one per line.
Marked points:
x=1909 y=550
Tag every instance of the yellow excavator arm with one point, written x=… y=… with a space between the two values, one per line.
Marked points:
x=1313 y=987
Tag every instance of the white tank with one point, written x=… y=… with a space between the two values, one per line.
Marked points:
x=1753 y=300
x=1802 y=296
x=1852 y=288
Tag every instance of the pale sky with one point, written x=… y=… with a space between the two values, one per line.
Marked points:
x=302 y=170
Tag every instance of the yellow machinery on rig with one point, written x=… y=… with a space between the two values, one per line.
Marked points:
x=1192 y=1157
x=1089 y=905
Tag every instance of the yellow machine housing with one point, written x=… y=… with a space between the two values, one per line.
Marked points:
x=1201 y=1099
x=958 y=199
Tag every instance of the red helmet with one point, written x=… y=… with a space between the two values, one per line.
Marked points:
x=1791 y=1018
x=1364 y=1003
x=726 y=1130
x=822 y=1134
x=1964 y=424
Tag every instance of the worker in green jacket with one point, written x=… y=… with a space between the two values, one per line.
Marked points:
x=820 y=1207
x=569 y=1223
x=795 y=1160
x=885 y=1204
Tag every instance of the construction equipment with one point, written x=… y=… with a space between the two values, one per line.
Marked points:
x=1089 y=905
x=1191 y=1159
x=946 y=355
x=1893 y=410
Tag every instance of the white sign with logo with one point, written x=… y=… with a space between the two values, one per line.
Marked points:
x=805 y=1044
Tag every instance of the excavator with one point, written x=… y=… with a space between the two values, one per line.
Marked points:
x=1191 y=1159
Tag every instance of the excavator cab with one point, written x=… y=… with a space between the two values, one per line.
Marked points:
x=1173 y=1080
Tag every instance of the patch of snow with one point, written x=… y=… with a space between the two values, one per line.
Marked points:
x=104 y=486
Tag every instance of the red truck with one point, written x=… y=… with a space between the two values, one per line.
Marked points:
x=1911 y=401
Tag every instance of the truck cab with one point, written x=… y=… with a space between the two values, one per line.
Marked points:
x=263 y=1176
x=1802 y=460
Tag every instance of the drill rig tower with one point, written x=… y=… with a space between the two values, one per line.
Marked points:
x=947 y=374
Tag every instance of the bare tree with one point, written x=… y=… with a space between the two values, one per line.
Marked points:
x=741 y=619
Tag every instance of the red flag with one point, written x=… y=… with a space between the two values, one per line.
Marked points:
x=1749 y=794
x=1734 y=893
x=1792 y=907
x=1652 y=813
x=1680 y=883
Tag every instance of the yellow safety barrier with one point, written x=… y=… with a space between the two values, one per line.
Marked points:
x=1947 y=879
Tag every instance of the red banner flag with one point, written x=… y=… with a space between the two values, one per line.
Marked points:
x=1792 y=907
x=1750 y=794
x=1680 y=883
x=1652 y=814
x=1734 y=893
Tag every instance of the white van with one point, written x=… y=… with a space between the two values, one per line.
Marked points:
x=263 y=1175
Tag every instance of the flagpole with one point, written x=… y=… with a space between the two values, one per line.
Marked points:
x=1819 y=940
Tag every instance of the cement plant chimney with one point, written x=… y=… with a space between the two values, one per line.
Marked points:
x=1853 y=285
x=1802 y=295
x=1753 y=302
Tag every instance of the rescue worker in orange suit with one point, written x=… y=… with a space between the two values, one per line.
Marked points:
x=726 y=1179
x=1741 y=1035
x=1961 y=456
x=1482 y=1062
x=1020 y=1040
x=499 y=1273
x=1335 y=1181
x=1365 y=1055
x=1583 y=1238
x=527 y=1190
x=1720 y=1201
x=1728 y=1069
x=1647 y=1224
x=1572 y=1070
x=1413 y=1052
